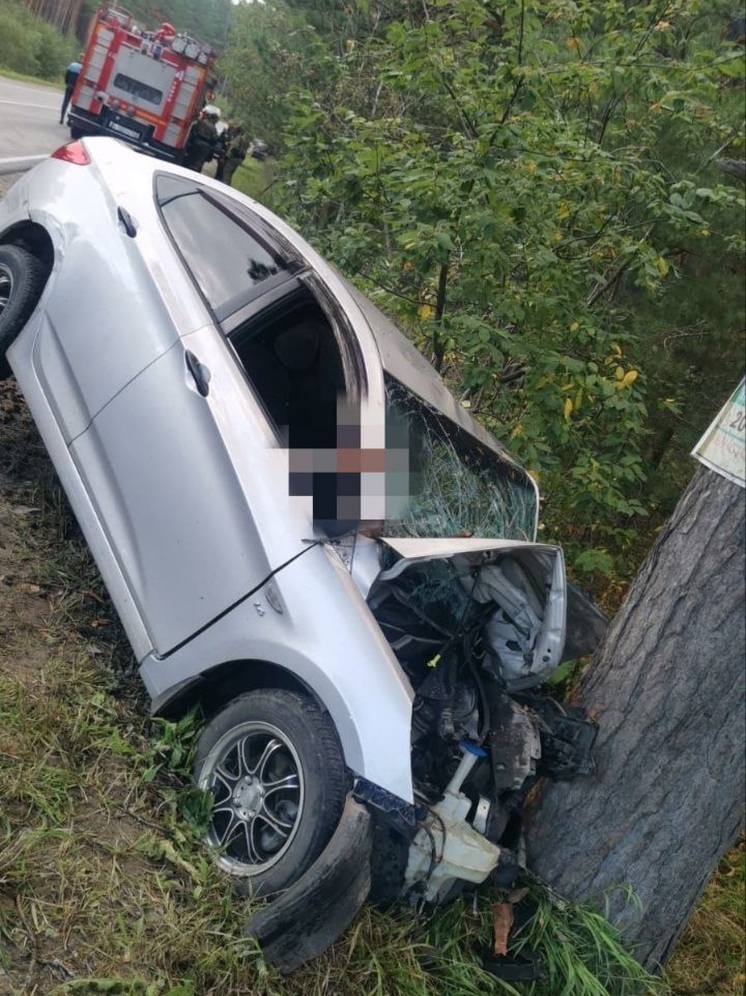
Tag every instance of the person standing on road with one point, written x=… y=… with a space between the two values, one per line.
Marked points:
x=71 y=78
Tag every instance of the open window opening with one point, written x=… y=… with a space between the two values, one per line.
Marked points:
x=292 y=359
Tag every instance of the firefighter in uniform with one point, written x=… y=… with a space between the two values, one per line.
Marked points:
x=203 y=140
x=235 y=154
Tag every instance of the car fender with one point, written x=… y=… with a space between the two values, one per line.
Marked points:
x=325 y=635
x=14 y=208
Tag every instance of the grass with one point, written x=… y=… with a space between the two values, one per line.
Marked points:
x=710 y=956
x=257 y=179
x=11 y=74
x=105 y=886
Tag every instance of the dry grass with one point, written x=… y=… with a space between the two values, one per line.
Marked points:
x=710 y=958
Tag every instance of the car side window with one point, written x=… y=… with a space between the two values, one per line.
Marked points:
x=230 y=263
x=291 y=357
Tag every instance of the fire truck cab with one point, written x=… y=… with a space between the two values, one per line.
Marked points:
x=144 y=87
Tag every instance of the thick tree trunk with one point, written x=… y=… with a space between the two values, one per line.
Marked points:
x=667 y=689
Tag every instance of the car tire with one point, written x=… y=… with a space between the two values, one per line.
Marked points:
x=273 y=763
x=22 y=279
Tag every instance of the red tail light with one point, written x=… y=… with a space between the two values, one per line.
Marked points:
x=73 y=153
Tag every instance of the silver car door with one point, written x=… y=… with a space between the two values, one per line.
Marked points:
x=169 y=494
x=177 y=466
x=189 y=465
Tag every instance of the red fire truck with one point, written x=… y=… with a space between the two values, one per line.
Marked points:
x=144 y=87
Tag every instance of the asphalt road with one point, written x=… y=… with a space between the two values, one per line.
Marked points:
x=29 y=124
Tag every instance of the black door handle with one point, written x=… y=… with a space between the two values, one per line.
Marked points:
x=200 y=373
x=127 y=221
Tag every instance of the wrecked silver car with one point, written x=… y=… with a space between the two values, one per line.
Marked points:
x=303 y=534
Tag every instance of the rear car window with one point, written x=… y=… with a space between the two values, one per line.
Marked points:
x=231 y=262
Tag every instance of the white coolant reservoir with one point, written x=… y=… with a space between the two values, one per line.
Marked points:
x=449 y=849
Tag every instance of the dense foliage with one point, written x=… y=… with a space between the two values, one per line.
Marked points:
x=534 y=192
x=30 y=45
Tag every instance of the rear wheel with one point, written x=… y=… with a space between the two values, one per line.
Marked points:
x=274 y=766
x=22 y=279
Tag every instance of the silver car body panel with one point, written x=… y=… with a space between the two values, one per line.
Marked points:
x=101 y=272
x=21 y=357
x=327 y=637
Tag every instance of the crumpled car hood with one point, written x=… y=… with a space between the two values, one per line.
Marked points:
x=535 y=608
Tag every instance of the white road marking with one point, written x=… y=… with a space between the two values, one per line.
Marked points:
x=23 y=103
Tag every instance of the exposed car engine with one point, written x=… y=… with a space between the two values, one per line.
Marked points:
x=480 y=734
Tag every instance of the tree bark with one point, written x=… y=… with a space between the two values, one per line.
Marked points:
x=667 y=689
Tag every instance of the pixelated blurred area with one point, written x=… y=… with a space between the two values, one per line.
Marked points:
x=351 y=485
x=431 y=478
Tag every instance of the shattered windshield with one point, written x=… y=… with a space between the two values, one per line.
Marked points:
x=457 y=486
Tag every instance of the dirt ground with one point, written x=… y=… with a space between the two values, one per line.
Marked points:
x=82 y=828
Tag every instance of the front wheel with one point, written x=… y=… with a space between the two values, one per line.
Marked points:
x=22 y=279
x=273 y=764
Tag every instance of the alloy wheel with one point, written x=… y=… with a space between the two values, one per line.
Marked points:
x=256 y=780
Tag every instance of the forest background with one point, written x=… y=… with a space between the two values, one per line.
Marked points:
x=546 y=196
